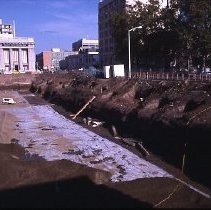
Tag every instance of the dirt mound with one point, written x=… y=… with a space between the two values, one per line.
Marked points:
x=165 y=115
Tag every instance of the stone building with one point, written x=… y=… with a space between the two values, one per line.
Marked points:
x=17 y=54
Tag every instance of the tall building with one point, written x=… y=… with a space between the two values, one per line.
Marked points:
x=106 y=9
x=17 y=54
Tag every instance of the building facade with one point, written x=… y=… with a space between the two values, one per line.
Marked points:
x=86 y=54
x=52 y=60
x=82 y=60
x=86 y=45
x=106 y=9
x=44 y=60
x=17 y=54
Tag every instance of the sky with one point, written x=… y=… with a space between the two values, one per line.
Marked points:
x=52 y=23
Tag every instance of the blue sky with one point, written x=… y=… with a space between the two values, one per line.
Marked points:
x=53 y=23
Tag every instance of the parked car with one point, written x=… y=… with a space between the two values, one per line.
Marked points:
x=8 y=101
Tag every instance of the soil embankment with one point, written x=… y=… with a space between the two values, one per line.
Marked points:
x=170 y=118
x=32 y=181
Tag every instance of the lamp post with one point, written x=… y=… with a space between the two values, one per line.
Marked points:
x=129 y=50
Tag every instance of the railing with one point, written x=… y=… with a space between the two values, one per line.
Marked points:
x=172 y=76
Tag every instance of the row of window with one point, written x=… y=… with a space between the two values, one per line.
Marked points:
x=115 y=4
x=5 y=26
x=14 y=44
x=2 y=32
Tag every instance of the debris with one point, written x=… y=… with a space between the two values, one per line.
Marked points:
x=197 y=114
x=15 y=157
x=97 y=123
x=84 y=107
x=141 y=148
x=114 y=131
x=129 y=142
x=92 y=122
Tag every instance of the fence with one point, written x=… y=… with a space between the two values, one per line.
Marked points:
x=172 y=76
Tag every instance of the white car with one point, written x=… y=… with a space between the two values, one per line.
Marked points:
x=8 y=101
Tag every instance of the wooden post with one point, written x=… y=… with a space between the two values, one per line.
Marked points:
x=114 y=131
x=84 y=107
x=141 y=148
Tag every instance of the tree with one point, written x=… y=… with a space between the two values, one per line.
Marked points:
x=195 y=31
x=178 y=35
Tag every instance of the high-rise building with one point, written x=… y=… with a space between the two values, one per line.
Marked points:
x=106 y=41
x=17 y=54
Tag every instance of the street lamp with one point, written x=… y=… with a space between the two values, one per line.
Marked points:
x=129 y=51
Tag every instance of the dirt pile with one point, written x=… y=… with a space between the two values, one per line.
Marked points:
x=165 y=115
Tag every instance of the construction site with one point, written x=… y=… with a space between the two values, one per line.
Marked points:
x=72 y=140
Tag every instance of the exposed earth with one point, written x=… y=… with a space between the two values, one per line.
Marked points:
x=163 y=115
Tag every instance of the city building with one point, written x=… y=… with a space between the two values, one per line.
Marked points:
x=58 y=57
x=52 y=60
x=82 y=60
x=17 y=54
x=86 y=54
x=44 y=60
x=106 y=9
x=86 y=44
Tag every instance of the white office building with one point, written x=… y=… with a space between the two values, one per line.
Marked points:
x=86 y=54
x=86 y=44
x=17 y=54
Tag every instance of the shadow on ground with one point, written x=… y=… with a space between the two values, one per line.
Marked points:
x=79 y=192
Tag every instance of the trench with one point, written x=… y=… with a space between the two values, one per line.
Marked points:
x=165 y=141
